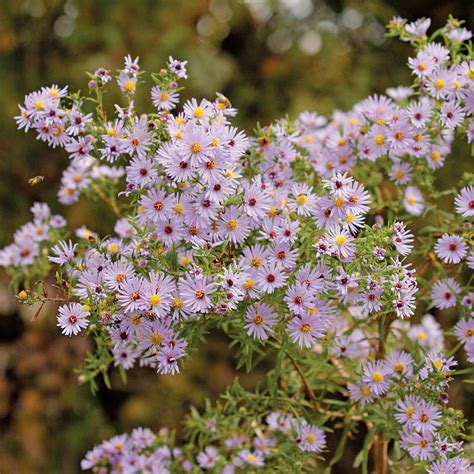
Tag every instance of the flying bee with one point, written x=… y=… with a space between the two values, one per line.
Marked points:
x=36 y=180
x=222 y=101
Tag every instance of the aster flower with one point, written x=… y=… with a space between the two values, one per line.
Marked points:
x=63 y=252
x=377 y=376
x=124 y=356
x=341 y=242
x=450 y=248
x=444 y=293
x=401 y=364
x=270 y=276
x=130 y=294
x=305 y=330
x=414 y=201
x=418 y=445
x=234 y=225
x=426 y=417
x=260 y=321
x=72 y=318
x=362 y=392
x=464 y=202
x=464 y=330
x=310 y=438
x=164 y=99
x=196 y=292
x=207 y=459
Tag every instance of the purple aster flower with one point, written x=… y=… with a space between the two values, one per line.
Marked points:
x=444 y=293
x=405 y=409
x=298 y=298
x=418 y=27
x=164 y=99
x=178 y=67
x=195 y=293
x=451 y=248
x=130 y=294
x=124 y=356
x=304 y=201
x=361 y=392
x=64 y=252
x=157 y=206
x=260 y=321
x=401 y=172
x=414 y=201
x=234 y=225
x=116 y=273
x=138 y=139
x=456 y=465
x=403 y=239
x=72 y=318
x=426 y=417
x=452 y=114
x=305 y=330
x=377 y=376
x=141 y=171
x=464 y=330
x=341 y=242
x=270 y=276
x=167 y=359
x=418 y=445
x=249 y=458
x=208 y=458
x=310 y=438
x=464 y=202
x=401 y=364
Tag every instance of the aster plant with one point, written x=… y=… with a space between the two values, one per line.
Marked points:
x=319 y=245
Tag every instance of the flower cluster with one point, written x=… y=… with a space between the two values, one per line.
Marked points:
x=291 y=242
x=143 y=451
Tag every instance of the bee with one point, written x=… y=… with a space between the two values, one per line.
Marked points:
x=36 y=180
x=222 y=101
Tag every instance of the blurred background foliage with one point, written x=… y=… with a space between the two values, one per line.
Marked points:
x=271 y=58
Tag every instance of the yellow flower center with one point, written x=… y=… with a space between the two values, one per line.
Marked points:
x=177 y=303
x=39 y=105
x=112 y=248
x=232 y=224
x=302 y=199
x=377 y=377
x=400 y=173
x=379 y=140
x=411 y=199
x=199 y=112
x=258 y=320
x=155 y=299
x=185 y=260
x=340 y=240
x=439 y=84
x=310 y=438
x=256 y=262
x=339 y=201
x=366 y=391
x=130 y=86
x=399 y=367
x=157 y=338
x=305 y=327
x=195 y=148
x=164 y=96
x=249 y=284
x=410 y=411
